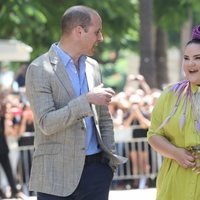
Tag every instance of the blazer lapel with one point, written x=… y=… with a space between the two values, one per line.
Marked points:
x=61 y=72
x=90 y=74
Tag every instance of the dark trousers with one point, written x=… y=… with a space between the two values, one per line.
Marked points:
x=94 y=184
x=5 y=162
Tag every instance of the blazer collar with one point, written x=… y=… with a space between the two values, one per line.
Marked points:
x=62 y=75
x=61 y=72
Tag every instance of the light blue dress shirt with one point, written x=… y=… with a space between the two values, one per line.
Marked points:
x=80 y=86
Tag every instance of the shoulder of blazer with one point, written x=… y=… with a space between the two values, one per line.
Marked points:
x=50 y=56
x=40 y=59
x=91 y=61
x=92 y=65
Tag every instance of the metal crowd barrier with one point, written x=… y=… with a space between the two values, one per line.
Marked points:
x=26 y=150
x=140 y=156
x=125 y=171
x=143 y=161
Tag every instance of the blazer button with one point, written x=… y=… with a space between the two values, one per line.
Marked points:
x=83 y=128
x=83 y=148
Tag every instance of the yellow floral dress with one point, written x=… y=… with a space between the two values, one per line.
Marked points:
x=175 y=182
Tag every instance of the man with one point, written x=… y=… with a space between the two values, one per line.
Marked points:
x=74 y=140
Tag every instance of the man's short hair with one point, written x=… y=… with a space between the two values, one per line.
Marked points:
x=76 y=16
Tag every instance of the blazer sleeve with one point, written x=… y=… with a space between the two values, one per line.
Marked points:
x=52 y=106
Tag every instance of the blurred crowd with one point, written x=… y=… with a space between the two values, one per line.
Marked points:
x=131 y=110
x=17 y=119
x=130 y=107
x=133 y=106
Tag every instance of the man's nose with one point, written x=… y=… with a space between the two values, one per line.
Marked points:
x=100 y=37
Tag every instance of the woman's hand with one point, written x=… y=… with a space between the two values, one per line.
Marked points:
x=184 y=158
x=196 y=168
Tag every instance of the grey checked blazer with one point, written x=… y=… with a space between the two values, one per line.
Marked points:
x=59 y=142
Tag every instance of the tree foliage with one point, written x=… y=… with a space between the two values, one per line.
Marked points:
x=171 y=16
x=37 y=23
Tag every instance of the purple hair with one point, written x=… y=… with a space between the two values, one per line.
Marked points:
x=195 y=39
x=196 y=33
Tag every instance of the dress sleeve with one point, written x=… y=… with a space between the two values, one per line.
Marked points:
x=159 y=114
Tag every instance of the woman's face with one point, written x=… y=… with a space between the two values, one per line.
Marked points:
x=191 y=63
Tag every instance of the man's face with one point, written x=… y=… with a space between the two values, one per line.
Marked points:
x=92 y=36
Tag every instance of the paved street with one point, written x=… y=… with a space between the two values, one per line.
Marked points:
x=135 y=194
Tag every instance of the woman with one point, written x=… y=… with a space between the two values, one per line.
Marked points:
x=175 y=130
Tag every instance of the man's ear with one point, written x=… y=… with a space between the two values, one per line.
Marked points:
x=78 y=30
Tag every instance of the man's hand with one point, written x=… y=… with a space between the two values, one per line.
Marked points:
x=100 y=95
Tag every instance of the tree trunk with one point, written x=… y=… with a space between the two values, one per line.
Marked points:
x=161 y=58
x=147 y=61
x=186 y=31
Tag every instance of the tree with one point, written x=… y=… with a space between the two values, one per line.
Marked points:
x=180 y=12
x=161 y=57
x=147 y=60
x=36 y=22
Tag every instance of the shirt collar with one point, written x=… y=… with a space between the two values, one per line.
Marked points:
x=65 y=57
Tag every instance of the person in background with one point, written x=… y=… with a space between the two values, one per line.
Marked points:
x=117 y=111
x=20 y=76
x=138 y=118
x=26 y=124
x=26 y=138
x=140 y=82
x=4 y=153
x=175 y=130
x=74 y=154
